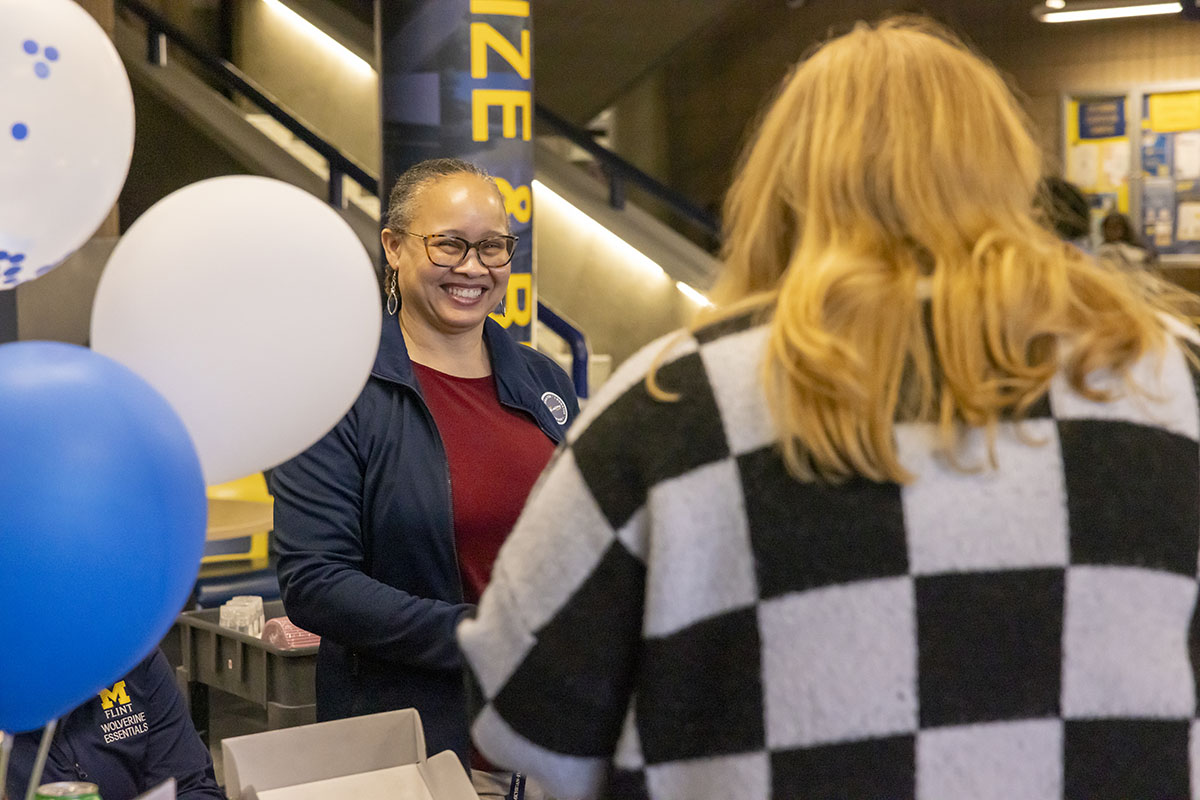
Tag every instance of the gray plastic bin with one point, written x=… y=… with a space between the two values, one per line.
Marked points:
x=207 y=655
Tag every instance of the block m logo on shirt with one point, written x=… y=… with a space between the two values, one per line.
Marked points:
x=114 y=696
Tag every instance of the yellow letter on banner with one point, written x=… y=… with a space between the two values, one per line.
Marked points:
x=509 y=100
x=517 y=202
x=518 y=302
x=483 y=35
x=507 y=8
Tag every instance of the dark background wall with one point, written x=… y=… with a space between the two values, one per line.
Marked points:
x=714 y=86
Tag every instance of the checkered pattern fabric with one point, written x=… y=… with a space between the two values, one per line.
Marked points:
x=676 y=617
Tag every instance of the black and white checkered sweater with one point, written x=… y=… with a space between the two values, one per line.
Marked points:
x=675 y=617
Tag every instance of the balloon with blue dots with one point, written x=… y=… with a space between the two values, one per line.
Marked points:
x=66 y=133
x=40 y=68
x=10 y=266
x=19 y=130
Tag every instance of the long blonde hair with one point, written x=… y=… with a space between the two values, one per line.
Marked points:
x=883 y=219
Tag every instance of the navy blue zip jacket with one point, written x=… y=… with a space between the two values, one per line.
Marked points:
x=365 y=535
x=128 y=740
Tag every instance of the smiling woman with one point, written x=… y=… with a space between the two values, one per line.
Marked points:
x=388 y=527
x=449 y=258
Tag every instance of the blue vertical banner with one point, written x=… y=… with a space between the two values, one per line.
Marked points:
x=456 y=80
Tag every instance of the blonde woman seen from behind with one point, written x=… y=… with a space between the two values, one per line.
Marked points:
x=914 y=514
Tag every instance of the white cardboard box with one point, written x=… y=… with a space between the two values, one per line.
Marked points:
x=164 y=791
x=376 y=757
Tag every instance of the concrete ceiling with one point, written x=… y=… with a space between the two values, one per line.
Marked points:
x=717 y=83
x=587 y=53
x=977 y=19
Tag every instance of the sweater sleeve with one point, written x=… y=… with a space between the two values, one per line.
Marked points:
x=173 y=749
x=318 y=534
x=553 y=650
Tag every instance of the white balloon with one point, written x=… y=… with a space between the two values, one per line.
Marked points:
x=252 y=307
x=66 y=133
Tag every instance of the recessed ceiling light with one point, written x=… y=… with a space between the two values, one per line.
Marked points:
x=1100 y=9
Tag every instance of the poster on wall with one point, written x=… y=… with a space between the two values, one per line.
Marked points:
x=1172 y=112
x=1158 y=212
x=1114 y=162
x=1083 y=165
x=1099 y=154
x=1156 y=155
x=1187 y=156
x=1102 y=118
x=1171 y=172
x=1187 y=216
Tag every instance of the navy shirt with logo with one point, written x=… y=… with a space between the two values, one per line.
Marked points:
x=129 y=739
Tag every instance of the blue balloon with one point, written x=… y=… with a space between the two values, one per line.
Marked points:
x=102 y=522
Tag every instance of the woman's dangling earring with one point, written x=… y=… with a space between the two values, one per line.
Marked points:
x=393 y=297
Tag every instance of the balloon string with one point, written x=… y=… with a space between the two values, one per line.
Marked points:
x=6 y=746
x=39 y=763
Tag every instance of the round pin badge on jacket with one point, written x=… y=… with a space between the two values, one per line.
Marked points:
x=557 y=407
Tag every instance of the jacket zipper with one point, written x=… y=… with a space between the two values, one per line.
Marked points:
x=555 y=435
x=462 y=595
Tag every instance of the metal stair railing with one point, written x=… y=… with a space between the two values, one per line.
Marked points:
x=620 y=171
x=159 y=31
x=575 y=340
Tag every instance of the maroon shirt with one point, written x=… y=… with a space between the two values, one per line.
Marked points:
x=495 y=454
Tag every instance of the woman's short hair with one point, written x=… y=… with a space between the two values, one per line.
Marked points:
x=402 y=200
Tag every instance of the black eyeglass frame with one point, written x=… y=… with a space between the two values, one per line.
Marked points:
x=425 y=237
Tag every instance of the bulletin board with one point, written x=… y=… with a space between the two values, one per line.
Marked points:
x=1170 y=196
x=1099 y=153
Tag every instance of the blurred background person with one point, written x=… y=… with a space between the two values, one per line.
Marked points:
x=127 y=740
x=916 y=514
x=387 y=528
x=1121 y=246
x=1066 y=210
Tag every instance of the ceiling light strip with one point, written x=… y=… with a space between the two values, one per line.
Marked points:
x=304 y=27
x=1110 y=12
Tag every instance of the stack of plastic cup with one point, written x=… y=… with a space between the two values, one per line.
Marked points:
x=243 y=614
x=281 y=632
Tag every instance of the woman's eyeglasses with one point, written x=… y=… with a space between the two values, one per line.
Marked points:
x=451 y=251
